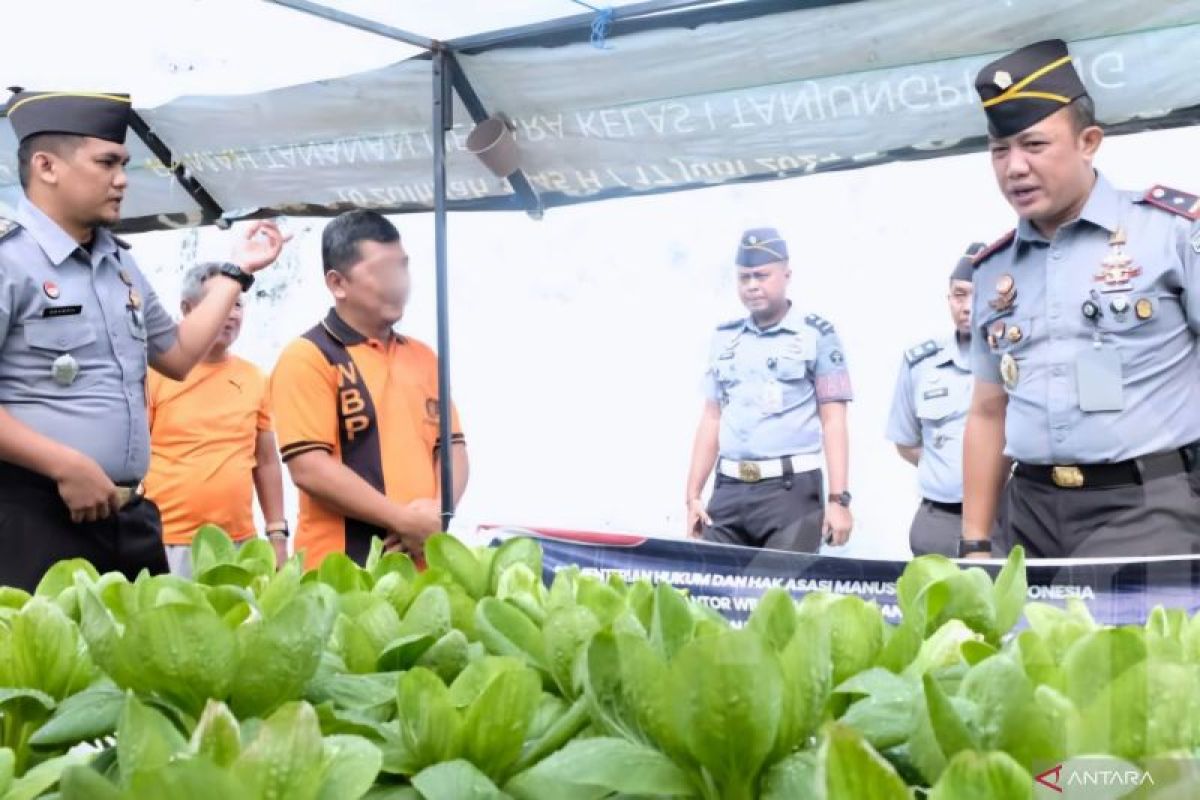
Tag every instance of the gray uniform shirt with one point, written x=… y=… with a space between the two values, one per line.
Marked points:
x=57 y=299
x=929 y=410
x=1149 y=395
x=770 y=382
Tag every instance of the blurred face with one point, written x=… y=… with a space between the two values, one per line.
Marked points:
x=763 y=290
x=233 y=323
x=375 y=289
x=1045 y=171
x=960 y=305
x=88 y=183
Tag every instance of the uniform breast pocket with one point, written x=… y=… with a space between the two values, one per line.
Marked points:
x=794 y=379
x=1124 y=315
x=724 y=372
x=54 y=337
x=935 y=401
x=791 y=368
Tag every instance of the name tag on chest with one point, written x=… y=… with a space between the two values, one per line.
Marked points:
x=61 y=311
x=931 y=394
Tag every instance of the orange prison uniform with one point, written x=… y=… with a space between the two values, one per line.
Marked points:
x=203 y=435
x=374 y=407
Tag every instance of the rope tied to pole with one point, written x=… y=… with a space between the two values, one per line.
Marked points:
x=601 y=25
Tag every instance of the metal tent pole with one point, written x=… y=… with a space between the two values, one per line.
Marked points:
x=442 y=121
x=354 y=21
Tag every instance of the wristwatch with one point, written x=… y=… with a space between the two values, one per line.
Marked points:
x=277 y=529
x=238 y=274
x=968 y=546
x=841 y=498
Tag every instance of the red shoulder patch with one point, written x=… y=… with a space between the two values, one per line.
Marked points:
x=995 y=247
x=1177 y=202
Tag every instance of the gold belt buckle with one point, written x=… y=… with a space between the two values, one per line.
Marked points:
x=126 y=494
x=1067 y=477
x=748 y=471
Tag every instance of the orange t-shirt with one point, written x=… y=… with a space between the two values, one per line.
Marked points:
x=203 y=434
x=398 y=421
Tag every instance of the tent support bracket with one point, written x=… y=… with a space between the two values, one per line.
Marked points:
x=210 y=208
x=518 y=180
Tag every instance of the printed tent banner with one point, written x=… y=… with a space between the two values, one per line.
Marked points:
x=738 y=92
x=731 y=579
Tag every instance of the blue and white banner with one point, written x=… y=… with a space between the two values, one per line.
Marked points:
x=731 y=579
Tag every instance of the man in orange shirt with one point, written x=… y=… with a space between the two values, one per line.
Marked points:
x=356 y=405
x=211 y=441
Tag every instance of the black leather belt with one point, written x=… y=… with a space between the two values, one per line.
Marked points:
x=1118 y=473
x=17 y=479
x=949 y=508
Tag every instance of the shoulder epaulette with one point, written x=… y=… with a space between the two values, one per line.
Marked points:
x=915 y=355
x=733 y=323
x=1177 y=202
x=995 y=247
x=823 y=325
x=7 y=228
x=124 y=245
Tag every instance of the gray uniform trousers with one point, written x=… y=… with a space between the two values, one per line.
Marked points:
x=937 y=527
x=1156 y=514
x=784 y=513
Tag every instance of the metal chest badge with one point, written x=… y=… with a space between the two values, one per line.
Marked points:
x=1009 y=371
x=1006 y=293
x=64 y=370
x=1117 y=268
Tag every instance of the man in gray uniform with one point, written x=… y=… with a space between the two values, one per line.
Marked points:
x=1087 y=374
x=78 y=324
x=777 y=391
x=929 y=411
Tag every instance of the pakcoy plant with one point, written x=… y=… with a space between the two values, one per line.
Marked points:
x=475 y=679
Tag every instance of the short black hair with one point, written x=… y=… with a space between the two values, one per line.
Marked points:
x=339 y=242
x=61 y=144
x=1082 y=113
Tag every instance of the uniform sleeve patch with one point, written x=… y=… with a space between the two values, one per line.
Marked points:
x=833 y=387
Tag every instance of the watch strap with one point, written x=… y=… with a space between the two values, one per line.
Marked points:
x=968 y=546
x=245 y=279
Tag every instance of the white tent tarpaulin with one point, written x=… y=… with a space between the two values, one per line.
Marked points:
x=739 y=92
